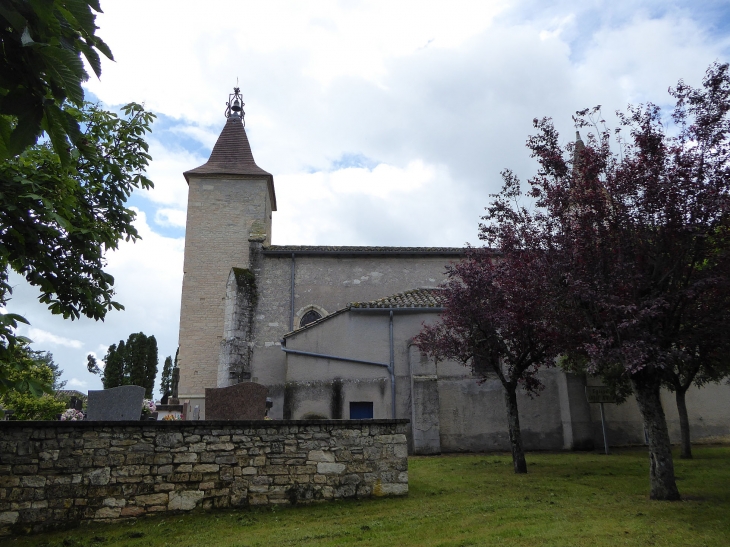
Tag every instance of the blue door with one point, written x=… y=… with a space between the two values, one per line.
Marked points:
x=361 y=411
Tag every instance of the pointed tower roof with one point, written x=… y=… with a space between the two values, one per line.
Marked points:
x=232 y=155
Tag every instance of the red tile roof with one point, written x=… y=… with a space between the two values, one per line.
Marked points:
x=415 y=298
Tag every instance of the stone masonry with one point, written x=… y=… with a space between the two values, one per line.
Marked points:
x=59 y=474
x=222 y=213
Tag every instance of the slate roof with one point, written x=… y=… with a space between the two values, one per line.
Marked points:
x=232 y=156
x=415 y=298
x=287 y=250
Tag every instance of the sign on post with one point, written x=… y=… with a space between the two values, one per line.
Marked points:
x=600 y=395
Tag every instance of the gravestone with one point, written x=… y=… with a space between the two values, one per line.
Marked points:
x=244 y=401
x=115 y=404
x=75 y=403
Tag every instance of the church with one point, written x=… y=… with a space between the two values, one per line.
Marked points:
x=328 y=330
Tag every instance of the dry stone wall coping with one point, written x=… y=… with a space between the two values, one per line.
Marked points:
x=59 y=474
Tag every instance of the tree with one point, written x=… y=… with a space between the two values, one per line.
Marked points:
x=24 y=396
x=56 y=221
x=641 y=242
x=41 y=69
x=150 y=366
x=61 y=201
x=498 y=318
x=166 y=380
x=695 y=361
x=46 y=358
x=130 y=363
x=114 y=366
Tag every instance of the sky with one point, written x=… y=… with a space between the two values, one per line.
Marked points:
x=383 y=123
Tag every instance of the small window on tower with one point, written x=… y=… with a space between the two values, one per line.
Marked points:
x=310 y=317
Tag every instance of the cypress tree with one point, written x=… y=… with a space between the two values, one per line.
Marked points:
x=132 y=363
x=135 y=365
x=166 y=380
x=114 y=369
x=150 y=365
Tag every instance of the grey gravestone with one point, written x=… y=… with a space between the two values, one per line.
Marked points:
x=244 y=401
x=115 y=404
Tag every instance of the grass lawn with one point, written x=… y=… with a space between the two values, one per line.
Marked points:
x=581 y=499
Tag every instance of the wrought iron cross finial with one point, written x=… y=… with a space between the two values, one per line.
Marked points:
x=235 y=104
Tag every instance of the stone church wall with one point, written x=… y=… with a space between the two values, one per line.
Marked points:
x=60 y=474
x=329 y=282
x=450 y=411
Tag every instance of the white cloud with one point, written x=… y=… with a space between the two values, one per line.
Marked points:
x=204 y=136
x=171 y=217
x=181 y=46
x=75 y=382
x=166 y=172
x=43 y=337
x=392 y=205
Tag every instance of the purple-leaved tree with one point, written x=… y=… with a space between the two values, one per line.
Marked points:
x=639 y=240
x=497 y=318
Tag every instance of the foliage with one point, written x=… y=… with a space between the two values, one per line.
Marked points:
x=28 y=407
x=498 y=318
x=46 y=357
x=61 y=198
x=11 y=349
x=91 y=365
x=640 y=242
x=41 y=68
x=30 y=378
x=130 y=363
x=572 y=499
x=21 y=372
x=166 y=379
x=57 y=221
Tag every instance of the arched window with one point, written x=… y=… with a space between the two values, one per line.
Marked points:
x=310 y=317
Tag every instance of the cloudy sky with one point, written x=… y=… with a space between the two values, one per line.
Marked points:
x=383 y=123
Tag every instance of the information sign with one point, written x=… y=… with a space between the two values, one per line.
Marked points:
x=600 y=394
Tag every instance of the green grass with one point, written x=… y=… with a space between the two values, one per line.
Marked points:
x=580 y=499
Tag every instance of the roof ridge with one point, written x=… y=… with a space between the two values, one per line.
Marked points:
x=422 y=297
x=434 y=300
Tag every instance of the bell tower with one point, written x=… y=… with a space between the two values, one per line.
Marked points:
x=229 y=199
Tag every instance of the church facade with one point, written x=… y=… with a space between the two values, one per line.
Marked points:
x=328 y=330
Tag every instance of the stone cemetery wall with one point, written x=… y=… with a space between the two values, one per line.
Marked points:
x=58 y=474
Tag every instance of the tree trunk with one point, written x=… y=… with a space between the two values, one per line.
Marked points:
x=515 y=437
x=661 y=466
x=683 y=424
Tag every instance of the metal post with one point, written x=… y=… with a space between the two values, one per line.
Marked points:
x=291 y=298
x=603 y=424
x=392 y=366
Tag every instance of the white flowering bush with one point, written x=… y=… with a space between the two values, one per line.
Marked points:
x=72 y=414
x=148 y=406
